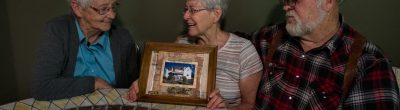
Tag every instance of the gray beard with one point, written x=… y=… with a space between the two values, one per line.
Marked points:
x=299 y=28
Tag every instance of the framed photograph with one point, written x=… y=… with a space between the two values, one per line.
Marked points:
x=177 y=73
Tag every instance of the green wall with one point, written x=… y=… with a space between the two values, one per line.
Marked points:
x=22 y=23
x=379 y=21
x=7 y=74
x=26 y=19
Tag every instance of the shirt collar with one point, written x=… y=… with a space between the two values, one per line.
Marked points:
x=331 y=43
x=82 y=39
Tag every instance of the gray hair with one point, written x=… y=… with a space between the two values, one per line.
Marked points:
x=83 y=3
x=217 y=4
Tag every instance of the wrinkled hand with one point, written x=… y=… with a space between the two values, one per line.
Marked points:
x=132 y=92
x=101 y=84
x=216 y=100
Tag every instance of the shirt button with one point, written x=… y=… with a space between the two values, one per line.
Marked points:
x=303 y=56
x=270 y=64
x=297 y=76
x=290 y=98
x=324 y=97
x=270 y=73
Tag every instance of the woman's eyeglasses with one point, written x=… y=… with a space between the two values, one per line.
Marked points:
x=192 y=11
x=105 y=10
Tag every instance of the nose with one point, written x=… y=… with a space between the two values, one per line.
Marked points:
x=111 y=14
x=186 y=15
x=287 y=7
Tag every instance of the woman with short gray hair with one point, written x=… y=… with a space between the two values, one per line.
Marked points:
x=82 y=51
x=238 y=65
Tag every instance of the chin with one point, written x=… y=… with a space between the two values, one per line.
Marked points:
x=291 y=23
x=192 y=33
x=105 y=28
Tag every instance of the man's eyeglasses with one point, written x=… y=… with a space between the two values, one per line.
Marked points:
x=193 y=11
x=105 y=10
x=288 y=2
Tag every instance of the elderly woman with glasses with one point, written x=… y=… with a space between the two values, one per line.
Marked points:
x=238 y=65
x=83 y=51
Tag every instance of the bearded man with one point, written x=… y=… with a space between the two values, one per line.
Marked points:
x=316 y=61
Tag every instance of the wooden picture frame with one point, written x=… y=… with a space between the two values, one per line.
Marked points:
x=177 y=73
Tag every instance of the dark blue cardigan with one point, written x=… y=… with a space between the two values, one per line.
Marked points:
x=56 y=57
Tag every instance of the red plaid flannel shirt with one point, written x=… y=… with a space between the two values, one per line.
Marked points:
x=313 y=80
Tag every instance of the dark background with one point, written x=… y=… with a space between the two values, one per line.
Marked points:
x=22 y=23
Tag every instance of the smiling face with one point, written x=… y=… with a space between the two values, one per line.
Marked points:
x=97 y=16
x=303 y=17
x=198 y=19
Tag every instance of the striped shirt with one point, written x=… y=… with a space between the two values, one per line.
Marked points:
x=236 y=60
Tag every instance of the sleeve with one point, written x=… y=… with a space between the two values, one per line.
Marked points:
x=261 y=39
x=50 y=80
x=375 y=88
x=250 y=62
x=134 y=58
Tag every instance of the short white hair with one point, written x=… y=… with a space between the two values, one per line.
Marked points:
x=83 y=3
x=216 y=4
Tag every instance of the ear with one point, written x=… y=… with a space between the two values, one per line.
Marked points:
x=217 y=15
x=76 y=8
x=328 y=5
